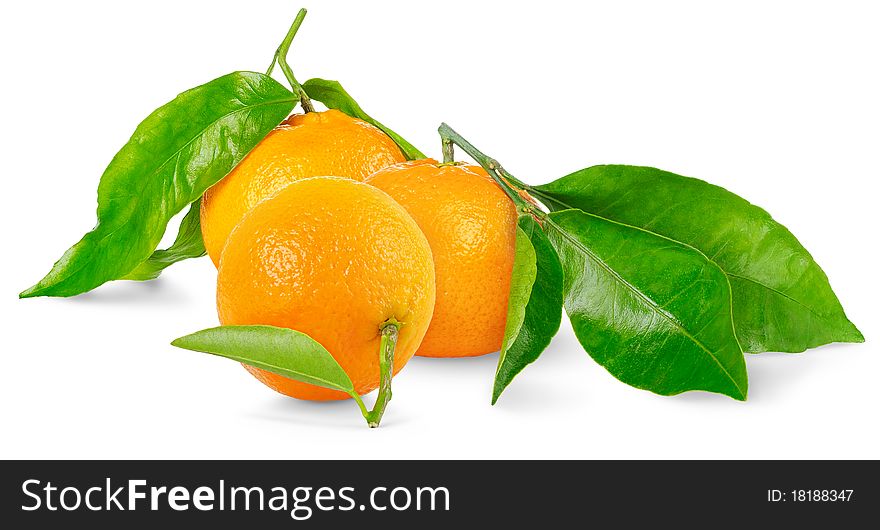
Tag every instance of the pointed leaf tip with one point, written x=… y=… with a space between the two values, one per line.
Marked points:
x=174 y=155
x=535 y=306
x=782 y=300
x=281 y=351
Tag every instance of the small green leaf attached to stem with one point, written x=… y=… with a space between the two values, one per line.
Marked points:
x=297 y=356
x=535 y=314
x=281 y=351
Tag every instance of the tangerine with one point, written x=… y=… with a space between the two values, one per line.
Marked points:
x=314 y=144
x=471 y=226
x=335 y=259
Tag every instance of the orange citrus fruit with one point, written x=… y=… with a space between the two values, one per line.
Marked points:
x=471 y=226
x=335 y=259
x=315 y=144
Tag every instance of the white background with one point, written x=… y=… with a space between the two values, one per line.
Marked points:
x=777 y=101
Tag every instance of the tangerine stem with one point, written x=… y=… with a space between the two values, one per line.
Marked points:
x=281 y=58
x=448 y=151
x=389 y=332
x=504 y=179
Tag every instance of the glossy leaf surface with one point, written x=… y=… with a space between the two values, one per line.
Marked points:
x=655 y=313
x=188 y=244
x=782 y=300
x=174 y=155
x=281 y=351
x=535 y=306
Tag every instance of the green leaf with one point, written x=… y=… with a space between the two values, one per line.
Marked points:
x=331 y=94
x=188 y=244
x=535 y=307
x=782 y=300
x=522 y=279
x=174 y=155
x=281 y=351
x=655 y=313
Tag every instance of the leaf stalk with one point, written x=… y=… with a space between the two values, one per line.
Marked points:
x=512 y=186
